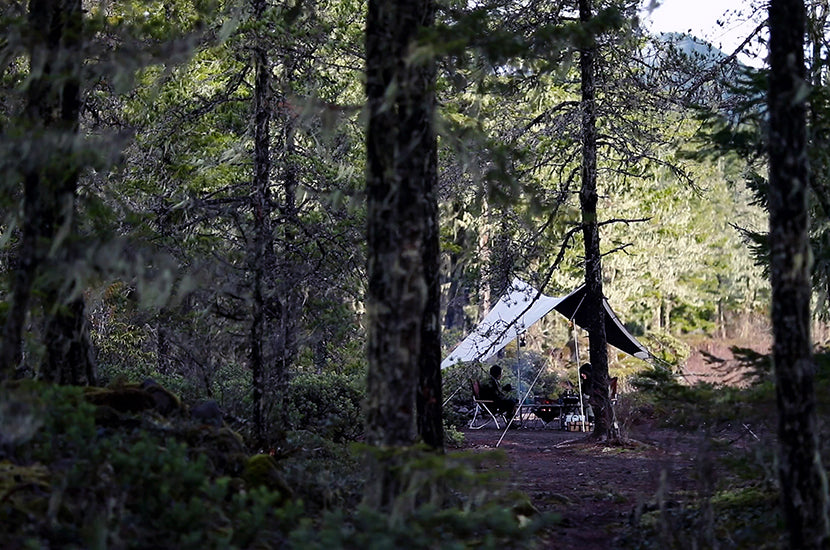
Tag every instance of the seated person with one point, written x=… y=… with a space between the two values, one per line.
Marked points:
x=493 y=391
x=586 y=373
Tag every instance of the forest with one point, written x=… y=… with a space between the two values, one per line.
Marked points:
x=238 y=237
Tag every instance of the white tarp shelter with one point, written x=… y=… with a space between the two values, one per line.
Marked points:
x=519 y=308
x=514 y=313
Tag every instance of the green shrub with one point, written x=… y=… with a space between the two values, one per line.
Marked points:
x=458 y=395
x=693 y=407
x=68 y=422
x=144 y=481
x=326 y=474
x=452 y=436
x=666 y=348
x=688 y=318
x=170 y=493
x=743 y=517
x=134 y=486
x=454 y=501
x=326 y=404
x=429 y=527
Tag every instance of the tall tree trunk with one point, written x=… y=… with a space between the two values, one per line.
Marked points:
x=605 y=425
x=320 y=354
x=457 y=296
x=819 y=165
x=484 y=253
x=284 y=302
x=501 y=261
x=262 y=237
x=400 y=142
x=803 y=481
x=428 y=398
x=11 y=348
x=53 y=101
x=162 y=344
x=69 y=355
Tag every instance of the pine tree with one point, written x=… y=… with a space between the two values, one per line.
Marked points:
x=803 y=480
x=402 y=235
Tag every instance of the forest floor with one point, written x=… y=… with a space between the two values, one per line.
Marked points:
x=601 y=492
x=596 y=490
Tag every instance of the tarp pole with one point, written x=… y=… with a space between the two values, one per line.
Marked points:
x=521 y=403
x=458 y=389
x=518 y=363
x=579 y=378
x=460 y=385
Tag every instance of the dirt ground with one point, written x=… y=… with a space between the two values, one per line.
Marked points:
x=597 y=490
x=600 y=491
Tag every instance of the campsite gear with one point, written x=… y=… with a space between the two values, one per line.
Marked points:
x=520 y=308
x=574 y=422
x=483 y=406
x=569 y=408
x=547 y=411
x=571 y=307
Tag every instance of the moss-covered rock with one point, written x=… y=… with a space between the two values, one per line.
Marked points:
x=123 y=400
x=24 y=492
x=207 y=412
x=262 y=470
x=134 y=398
x=166 y=402
x=223 y=447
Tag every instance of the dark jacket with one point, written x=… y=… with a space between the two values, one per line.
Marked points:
x=491 y=390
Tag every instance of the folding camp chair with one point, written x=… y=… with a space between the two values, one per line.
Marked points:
x=482 y=407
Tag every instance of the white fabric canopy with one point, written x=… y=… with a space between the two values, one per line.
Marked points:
x=514 y=313
x=519 y=308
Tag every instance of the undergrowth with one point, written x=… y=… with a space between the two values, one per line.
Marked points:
x=733 y=501
x=78 y=475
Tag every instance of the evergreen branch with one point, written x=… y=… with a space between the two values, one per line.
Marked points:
x=617 y=249
x=626 y=221
x=543 y=115
x=708 y=75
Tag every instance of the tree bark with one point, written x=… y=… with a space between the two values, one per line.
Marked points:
x=284 y=273
x=162 y=344
x=262 y=237
x=484 y=254
x=605 y=425
x=501 y=260
x=818 y=126
x=400 y=152
x=29 y=257
x=457 y=296
x=803 y=481
x=52 y=112
x=429 y=397
x=69 y=356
